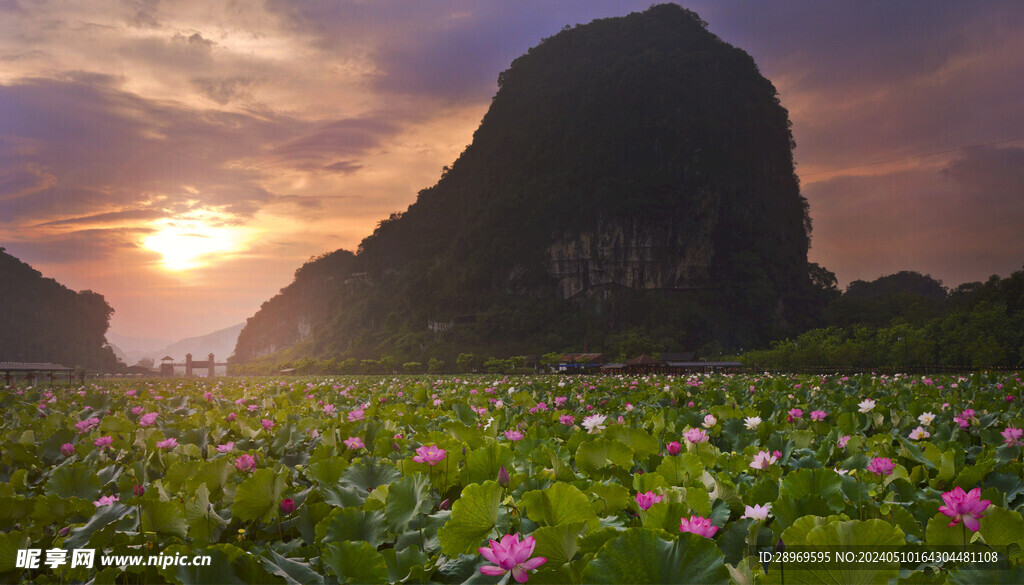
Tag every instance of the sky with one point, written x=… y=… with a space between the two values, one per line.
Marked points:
x=184 y=157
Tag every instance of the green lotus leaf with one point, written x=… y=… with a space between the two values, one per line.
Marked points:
x=559 y=504
x=367 y=475
x=558 y=544
x=165 y=518
x=639 y=440
x=641 y=556
x=593 y=456
x=355 y=562
x=407 y=498
x=259 y=495
x=74 y=480
x=294 y=572
x=352 y=524
x=104 y=516
x=473 y=516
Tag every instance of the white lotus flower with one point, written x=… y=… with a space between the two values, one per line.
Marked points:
x=867 y=405
x=594 y=423
x=752 y=422
x=757 y=512
x=926 y=418
x=710 y=421
x=919 y=433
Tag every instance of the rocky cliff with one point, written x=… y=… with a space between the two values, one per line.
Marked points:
x=633 y=173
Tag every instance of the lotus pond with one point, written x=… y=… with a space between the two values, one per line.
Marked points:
x=543 y=479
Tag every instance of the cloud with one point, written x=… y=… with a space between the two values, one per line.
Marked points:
x=958 y=221
x=307 y=121
x=80 y=246
x=343 y=167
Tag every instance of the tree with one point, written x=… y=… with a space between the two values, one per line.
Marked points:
x=434 y=366
x=467 y=362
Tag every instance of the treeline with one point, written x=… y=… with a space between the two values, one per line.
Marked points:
x=908 y=320
x=387 y=364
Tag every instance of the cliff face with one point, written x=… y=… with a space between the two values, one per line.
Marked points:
x=631 y=173
x=41 y=320
x=631 y=253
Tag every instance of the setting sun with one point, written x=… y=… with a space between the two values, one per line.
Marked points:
x=188 y=244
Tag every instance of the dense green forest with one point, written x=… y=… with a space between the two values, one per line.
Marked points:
x=41 y=320
x=633 y=175
x=908 y=320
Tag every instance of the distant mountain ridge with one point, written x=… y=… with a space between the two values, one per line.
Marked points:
x=633 y=174
x=220 y=343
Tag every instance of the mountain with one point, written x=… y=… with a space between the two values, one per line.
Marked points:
x=633 y=176
x=42 y=320
x=220 y=343
x=131 y=345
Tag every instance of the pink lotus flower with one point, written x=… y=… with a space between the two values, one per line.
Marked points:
x=1012 y=436
x=138 y=489
x=710 y=421
x=267 y=424
x=511 y=555
x=513 y=435
x=673 y=448
x=329 y=409
x=843 y=441
x=881 y=466
x=647 y=499
x=966 y=507
x=87 y=425
x=148 y=419
x=696 y=436
x=226 y=447
x=208 y=396
x=287 y=505
x=105 y=501
x=67 y=449
x=567 y=420
x=430 y=455
x=167 y=443
x=698 y=525
x=231 y=417
x=356 y=415
x=137 y=409
x=763 y=460
x=354 y=443
x=245 y=462
x=817 y=415
x=103 y=442
x=794 y=414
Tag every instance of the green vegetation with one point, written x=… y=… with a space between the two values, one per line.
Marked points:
x=41 y=320
x=609 y=479
x=907 y=320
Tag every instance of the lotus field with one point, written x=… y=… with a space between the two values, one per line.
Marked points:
x=544 y=479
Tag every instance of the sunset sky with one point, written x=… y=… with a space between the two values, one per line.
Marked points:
x=183 y=158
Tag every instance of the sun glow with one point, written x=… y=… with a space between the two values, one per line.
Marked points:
x=190 y=243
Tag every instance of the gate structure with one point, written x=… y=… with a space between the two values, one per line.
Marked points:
x=167 y=366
